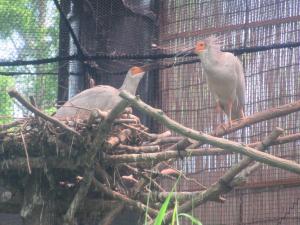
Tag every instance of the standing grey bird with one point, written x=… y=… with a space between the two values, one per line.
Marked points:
x=225 y=77
x=101 y=97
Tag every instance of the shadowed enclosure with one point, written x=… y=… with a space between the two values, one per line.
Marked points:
x=108 y=29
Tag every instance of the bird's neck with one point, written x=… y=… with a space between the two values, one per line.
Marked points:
x=130 y=84
x=212 y=54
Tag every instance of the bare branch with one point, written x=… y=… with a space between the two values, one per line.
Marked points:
x=26 y=153
x=10 y=125
x=116 y=195
x=219 y=142
x=165 y=155
x=16 y=95
x=268 y=114
x=138 y=149
x=223 y=185
x=98 y=141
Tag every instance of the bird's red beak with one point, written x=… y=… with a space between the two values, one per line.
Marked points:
x=136 y=70
x=200 y=46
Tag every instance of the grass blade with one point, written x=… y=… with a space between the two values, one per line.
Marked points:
x=174 y=216
x=191 y=218
x=163 y=209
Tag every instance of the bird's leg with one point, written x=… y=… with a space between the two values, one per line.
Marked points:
x=220 y=112
x=242 y=114
x=229 y=112
x=218 y=107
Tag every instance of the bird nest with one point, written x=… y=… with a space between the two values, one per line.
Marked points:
x=112 y=153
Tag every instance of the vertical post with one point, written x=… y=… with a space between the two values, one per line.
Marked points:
x=76 y=78
x=63 y=71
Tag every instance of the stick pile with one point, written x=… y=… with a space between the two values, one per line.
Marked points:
x=121 y=159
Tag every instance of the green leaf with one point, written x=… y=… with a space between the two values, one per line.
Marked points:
x=191 y=218
x=163 y=209
x=174 y=216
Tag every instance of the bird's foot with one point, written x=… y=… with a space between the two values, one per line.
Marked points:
x=221 y=127
x=238 y=120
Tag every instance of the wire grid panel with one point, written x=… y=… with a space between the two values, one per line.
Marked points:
x=29 y=31
x=272 y=79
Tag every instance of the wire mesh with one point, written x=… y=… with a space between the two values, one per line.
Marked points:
x=272 y=79
x=29 y=30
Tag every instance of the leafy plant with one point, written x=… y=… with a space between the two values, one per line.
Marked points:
x=6 y=108
x=163 y=210
x=191 y=218
x=29 y=29
x=175 y=216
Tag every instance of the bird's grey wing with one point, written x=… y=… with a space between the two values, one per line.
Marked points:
x=101 y=97
x=239 y=102
x=241 y=86
x=210 y=85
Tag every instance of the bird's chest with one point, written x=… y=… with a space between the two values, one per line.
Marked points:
x=221 y=79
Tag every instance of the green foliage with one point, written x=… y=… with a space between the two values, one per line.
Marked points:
x=175 y=216
x=163 y=210
x=191 y=218
x=31 y=28
x=6 y=108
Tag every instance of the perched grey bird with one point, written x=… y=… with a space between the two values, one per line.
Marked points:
x=101 y=97
x=225 y=77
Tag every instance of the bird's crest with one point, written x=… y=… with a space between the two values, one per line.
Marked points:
x=213 y=42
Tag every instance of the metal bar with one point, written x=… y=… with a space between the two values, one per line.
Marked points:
x=237 y=51
x=207 y=31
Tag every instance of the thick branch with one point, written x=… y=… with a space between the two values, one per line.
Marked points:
x=268 y=114
x=79 y=197
x=16 y=95
x=116 y=195
x=138 y=149
x=219 y=142
x=179 y=196
x=159 y=156
x=164 y=140
x=10 y=125
x=98 y=141
x=223 y=185
x=165 y=155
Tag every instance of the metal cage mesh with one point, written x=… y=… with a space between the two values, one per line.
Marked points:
x=271 y=196
x=29 y=31
x=272 y=79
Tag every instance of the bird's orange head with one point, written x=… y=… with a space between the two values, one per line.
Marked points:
x=136 y=70
x=200 y=46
